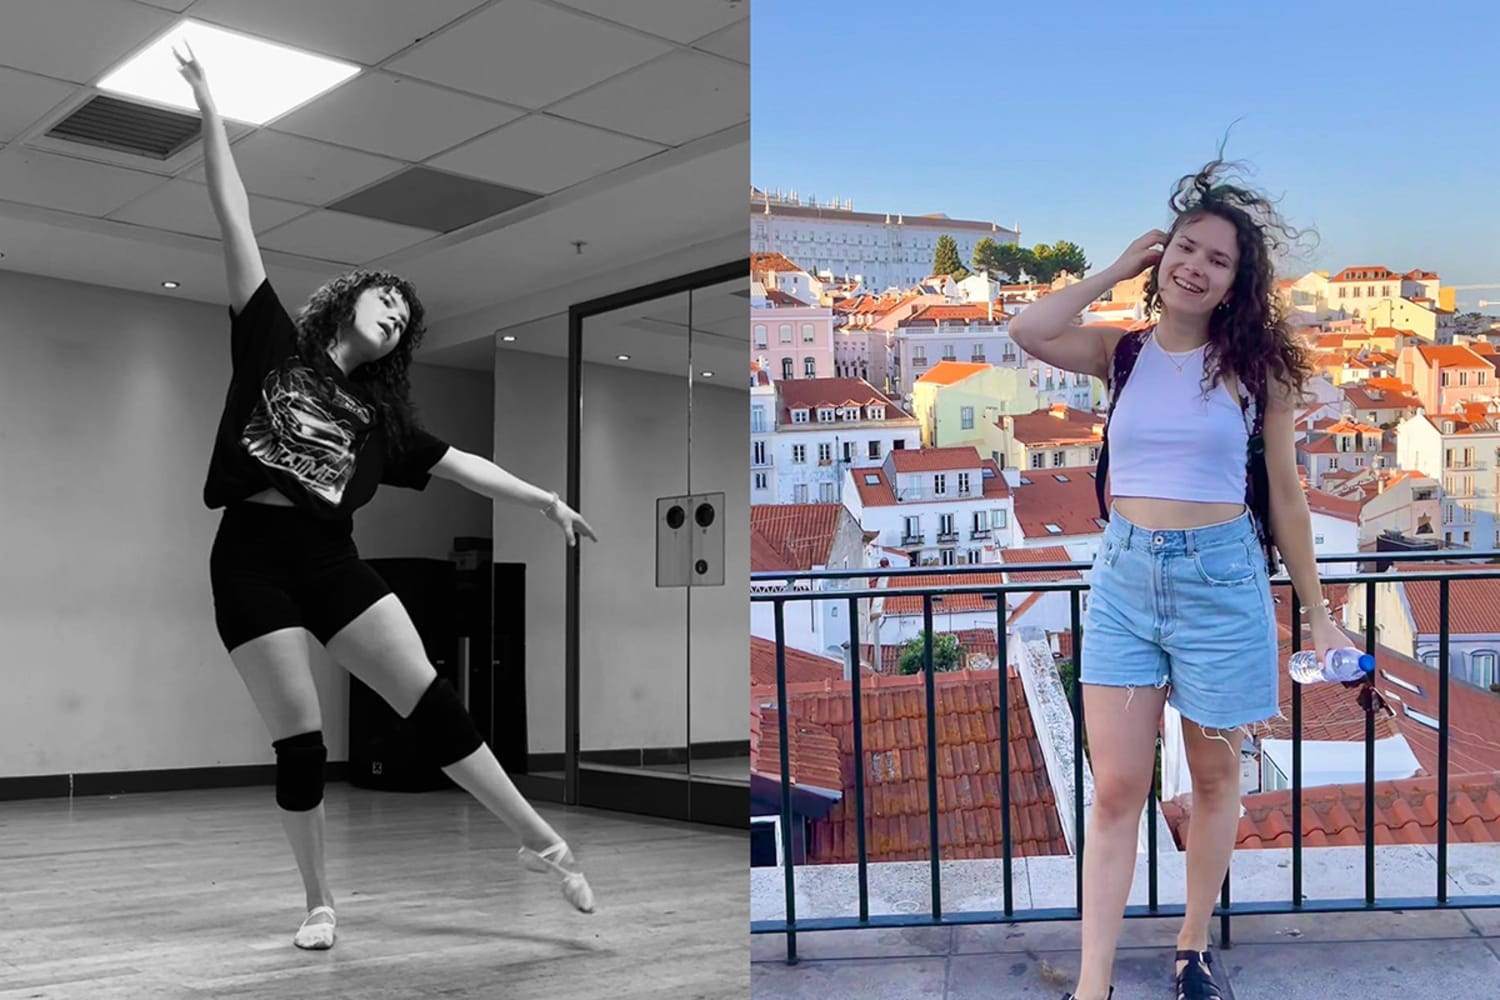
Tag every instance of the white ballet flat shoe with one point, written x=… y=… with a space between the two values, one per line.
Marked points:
x=316 y=936
x=575 y=888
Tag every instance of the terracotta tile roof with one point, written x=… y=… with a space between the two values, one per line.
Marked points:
x=1059 y=424
x=995 y=486
x=1417 y=274
x=909 y=460
x=1040 y=554
x=1452 y=357
x=1340 y=507
x=1471 y=603
x=760 y=263
x=1064 y=497
x=814 y=754
x=815 y=392
x=801 y=666
x=874 y=488
x=777 y=297
x=1390 y=398
x=973 y=312
x=792 y=536
x=1473 y=715
x=1334 y=815
x=949 y=372
x=968 y=770
x=1369 y=273
x=951 y=603
x=1110 y=306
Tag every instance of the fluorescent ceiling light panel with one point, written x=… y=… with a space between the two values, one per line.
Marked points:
x=251 y=80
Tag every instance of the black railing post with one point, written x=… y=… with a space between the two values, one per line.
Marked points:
x=788 y=839
x=1073 y=604
x=930 y=671
x=1225 y=941
x=1002 y=654
x=1442 y=790
x=1152 y=901
x=859 y=762
x=1296 y=756
x=1370 y=750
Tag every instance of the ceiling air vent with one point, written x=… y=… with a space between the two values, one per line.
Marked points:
x=129 y=128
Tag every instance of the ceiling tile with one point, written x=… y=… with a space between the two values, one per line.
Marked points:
x=524 y=53
x=365 y=31
x=300 y=170
x=396 y=117
x=545 y=154
x=43 y=36
x=731 y=43
x=182 y=206
x=36 y=178
x=433 y=199
x=342 y=237
x=26 y=99
x=679 y=20
x=672 y=100
x=176 y=5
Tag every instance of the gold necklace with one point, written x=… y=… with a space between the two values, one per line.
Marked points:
x=1170 y=356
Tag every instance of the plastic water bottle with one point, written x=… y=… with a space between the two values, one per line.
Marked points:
x=1347 y=664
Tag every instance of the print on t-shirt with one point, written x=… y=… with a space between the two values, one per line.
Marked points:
x=309 y=428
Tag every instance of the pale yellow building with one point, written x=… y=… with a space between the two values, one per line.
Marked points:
x=960 y=403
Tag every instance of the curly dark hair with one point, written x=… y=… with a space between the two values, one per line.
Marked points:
x=385 y=384
x=1249 y=334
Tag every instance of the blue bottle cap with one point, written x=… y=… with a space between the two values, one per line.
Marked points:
x=1367 y=663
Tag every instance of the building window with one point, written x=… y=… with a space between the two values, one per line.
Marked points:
x=757 y=420
x=913 y=530
x=825 y=414
x=786 y=369
x=963 y=484
x=808 y=369
x=1058 y=458
x=784 y=333
x=760 y=335
x=874 y=449
x=1443 y=379
x=800 y=415
x=966 y=418
x=825 y=492
x=945 y=525
x=758 y=453
x=981 y=521
x=848 y=451
x=760 y=480
x=948 y=556
x=799 y=493
x=1038 y=460
x=939 y=484
x=825 y=453
x=1093 y=454
x=1482 y=668
x=807 y=333
x=799 y=454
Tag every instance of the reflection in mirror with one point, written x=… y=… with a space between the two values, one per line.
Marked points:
x=633 y=625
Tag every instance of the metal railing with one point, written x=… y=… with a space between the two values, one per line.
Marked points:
x=1298 y=903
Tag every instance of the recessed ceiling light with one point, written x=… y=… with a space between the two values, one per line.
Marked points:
x=707 y=374
x=169 y=284
x=509 y=338
x=622 y=357
x=252 y=80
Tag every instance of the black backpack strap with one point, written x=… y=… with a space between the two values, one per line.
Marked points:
x=1127 y=350
x=1257 y=477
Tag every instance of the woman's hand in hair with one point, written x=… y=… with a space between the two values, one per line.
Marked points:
x=1144 y=253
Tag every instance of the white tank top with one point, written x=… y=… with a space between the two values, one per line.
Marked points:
x=1167 y=441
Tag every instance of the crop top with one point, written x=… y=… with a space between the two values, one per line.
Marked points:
x=310 y=434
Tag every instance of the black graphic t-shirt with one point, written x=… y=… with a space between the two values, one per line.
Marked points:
x=310 y=435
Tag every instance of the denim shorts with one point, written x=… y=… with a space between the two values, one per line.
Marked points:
x=1190 y=609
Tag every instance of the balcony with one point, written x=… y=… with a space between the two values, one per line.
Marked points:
x=938 y=922
x=947 y=536
x=913 y=539
x=979 y=533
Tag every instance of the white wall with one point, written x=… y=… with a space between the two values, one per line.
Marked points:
x=108 y=405
x=635 y=640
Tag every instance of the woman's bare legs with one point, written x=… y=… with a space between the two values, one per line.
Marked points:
x=1122 y=727
x=1214 y=761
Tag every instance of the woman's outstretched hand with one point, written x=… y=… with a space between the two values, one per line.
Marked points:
x=192 y=71
x=570 y=521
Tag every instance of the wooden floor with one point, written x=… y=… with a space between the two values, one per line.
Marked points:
x=195 y=895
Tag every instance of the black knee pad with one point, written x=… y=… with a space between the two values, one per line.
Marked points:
x=442 y=726
x=299 y=771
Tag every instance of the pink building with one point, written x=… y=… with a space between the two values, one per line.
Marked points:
x=792 y=342
x=1445 y=377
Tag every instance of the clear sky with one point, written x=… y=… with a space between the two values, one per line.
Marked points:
x=1376 y=123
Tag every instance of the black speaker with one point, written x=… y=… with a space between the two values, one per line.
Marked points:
x=382 y=752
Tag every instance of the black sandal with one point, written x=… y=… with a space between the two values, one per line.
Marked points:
x=1196 y=980
x=1069 y=996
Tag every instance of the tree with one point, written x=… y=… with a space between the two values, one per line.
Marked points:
x=944 y=653
x=1005 y=260
x=1050 y=261
x=945 y=259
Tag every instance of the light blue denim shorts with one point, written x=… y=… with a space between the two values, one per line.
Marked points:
x=1190 y=609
